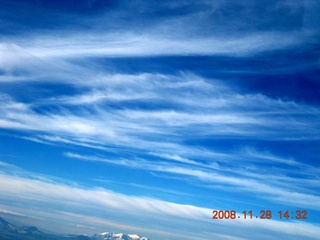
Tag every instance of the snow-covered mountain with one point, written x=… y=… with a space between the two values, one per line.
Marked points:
x=117 y=236
x=9 y=231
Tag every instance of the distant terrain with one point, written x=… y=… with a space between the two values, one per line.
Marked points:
x=9 y=231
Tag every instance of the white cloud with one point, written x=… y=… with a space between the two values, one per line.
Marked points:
x=50 y=196
x=108 y=113
x=258 y=183
x=126 y=44
x=206 y=107
x=201 y=107
x=8 y=212
x=37 y=190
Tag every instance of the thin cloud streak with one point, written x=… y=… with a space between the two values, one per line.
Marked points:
x=36 y=190
x=261 y=185
x=120 y=46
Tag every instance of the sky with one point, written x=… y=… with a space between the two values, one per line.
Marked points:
x=145 y=116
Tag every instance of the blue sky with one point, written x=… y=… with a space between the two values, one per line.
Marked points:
x=144 y=116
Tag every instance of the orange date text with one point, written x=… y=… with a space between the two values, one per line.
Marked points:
x=263 y=214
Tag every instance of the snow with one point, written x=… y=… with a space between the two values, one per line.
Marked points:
x=117 y=236
x=134 y=236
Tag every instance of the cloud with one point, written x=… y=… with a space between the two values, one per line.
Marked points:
x=131 y=45
x=8 y=212
x=186 y=91
x=40 y=190
x=187 y=28
x=135 y=112
x=260 y=183
x=164 y=105
x=50 y=196
x=132 y=113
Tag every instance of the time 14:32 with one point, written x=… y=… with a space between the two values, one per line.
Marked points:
x=267 y=214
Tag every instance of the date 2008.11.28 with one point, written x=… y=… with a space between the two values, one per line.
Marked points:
x=264 y=214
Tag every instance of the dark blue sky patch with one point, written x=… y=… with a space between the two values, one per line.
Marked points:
x=38 y=92
x=31 y=17
x=220 y=18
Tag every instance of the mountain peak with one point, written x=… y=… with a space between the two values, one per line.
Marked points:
x=3 y=222
x=117 y=236
x=12 y=232
x=31 y=230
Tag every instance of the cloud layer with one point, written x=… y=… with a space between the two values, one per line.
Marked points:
x=77 y=201
x=143 y=111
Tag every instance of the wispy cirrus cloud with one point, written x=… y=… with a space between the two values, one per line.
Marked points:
x=202 y=28
x=201 y=104
x=162 y=106
x=203 y=108
x=154 y=112
x=264 y=183
x=50 y=194
x=131 y=45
